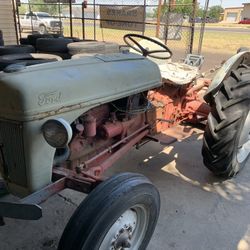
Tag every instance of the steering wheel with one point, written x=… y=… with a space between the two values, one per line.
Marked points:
x=129 y=39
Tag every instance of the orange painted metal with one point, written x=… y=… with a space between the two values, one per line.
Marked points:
x=174 y=104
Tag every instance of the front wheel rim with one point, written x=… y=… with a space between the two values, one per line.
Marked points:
x=128 y=230
x=244 y=142
x=42 y=29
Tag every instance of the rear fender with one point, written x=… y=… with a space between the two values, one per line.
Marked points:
x=231 y=64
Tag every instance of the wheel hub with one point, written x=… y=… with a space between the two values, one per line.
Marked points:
x=122 y=237
x=127 y=231
x=123 y=240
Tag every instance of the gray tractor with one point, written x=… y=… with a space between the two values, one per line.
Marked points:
x=64 y=123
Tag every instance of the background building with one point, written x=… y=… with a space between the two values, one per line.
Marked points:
x=232 y=15
x=236 y=14
x=7 y=23
x=246 y=11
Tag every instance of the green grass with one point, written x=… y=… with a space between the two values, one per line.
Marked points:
x=213 y=42
x=223 y=42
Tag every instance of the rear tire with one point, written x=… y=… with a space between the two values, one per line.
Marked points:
x=27 y=59
x=16 y=49
x=33 y=38
x=226 y=143
x=93 y=47
x=86 y=47
x=53 y=44
x=24 y=41
x=122 y=210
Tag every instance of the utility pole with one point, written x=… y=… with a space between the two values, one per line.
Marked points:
x=172 y=2
x=202 y=30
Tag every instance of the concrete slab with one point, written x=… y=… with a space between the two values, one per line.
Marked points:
x=198 y=211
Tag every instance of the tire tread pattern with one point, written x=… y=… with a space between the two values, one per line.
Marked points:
x=85 y=220
x=229 y=108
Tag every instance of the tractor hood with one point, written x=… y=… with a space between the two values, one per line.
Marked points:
x=44 y=90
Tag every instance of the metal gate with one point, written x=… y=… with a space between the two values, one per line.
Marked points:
x=171 y=22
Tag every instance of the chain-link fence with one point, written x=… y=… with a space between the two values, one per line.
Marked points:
x=110 y=20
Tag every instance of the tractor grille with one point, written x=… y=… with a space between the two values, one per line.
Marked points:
x=55 y=24
x=12 y=150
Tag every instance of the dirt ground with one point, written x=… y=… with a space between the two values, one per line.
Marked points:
x=198 y=211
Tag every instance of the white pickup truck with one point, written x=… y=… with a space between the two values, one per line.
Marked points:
x=41 y=22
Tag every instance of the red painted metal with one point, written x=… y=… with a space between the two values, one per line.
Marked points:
x=76 y=181
x=63 y=178
x=111 y=129
x=61 y=172
x=90 y=125
x=118 y=154
x=124 y=140
x=175 y=104
x=101 y=113
x=88 y=152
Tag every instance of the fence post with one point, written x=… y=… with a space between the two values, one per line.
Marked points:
x=83 y=20
x=158 y=19
x=70 y=18
x=166 y=25
x=193 y=27
x=144 y=16
x=94 y=22
x=15 y=13
x=60 y=17
x=31 y=19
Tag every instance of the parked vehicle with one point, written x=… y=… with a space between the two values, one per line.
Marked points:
x=41 y=22
x=245 y=21
x=63 y=124
x=207 y=20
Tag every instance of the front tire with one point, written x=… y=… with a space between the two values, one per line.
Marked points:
x=226 y=143
x=120 y=213
x=42 y=30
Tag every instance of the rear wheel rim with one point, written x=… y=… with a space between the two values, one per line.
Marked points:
x=244 y=142
x=128 y=230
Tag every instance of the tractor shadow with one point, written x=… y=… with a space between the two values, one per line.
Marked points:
x=196 y=206
x=182 y=163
